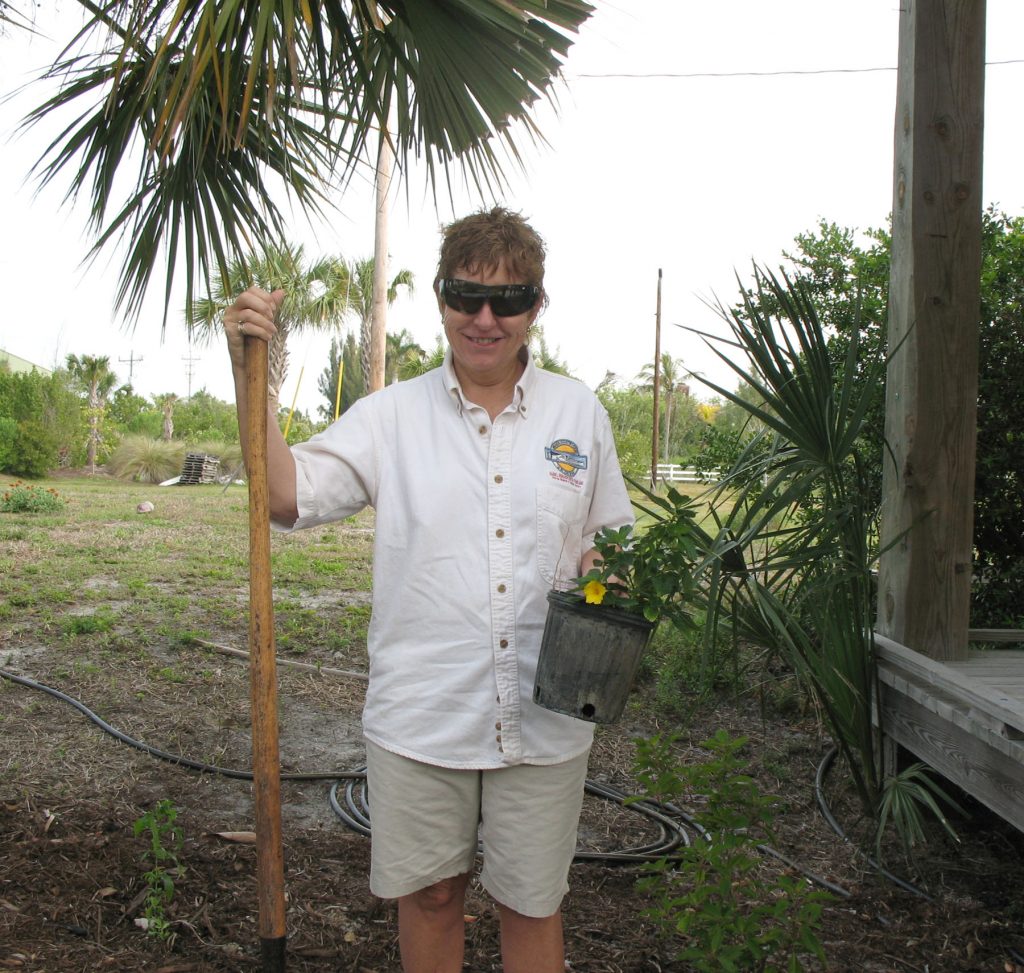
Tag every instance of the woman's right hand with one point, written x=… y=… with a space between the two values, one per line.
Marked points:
x=252 y=314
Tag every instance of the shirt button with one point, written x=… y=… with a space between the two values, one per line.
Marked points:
x=497 y=726
x=503 y=643
x=499 y=479
x=499 y=533
x=501 y=589
x=483 y=430
x=498 y=738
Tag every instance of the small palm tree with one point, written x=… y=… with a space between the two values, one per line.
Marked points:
x=400 y=348
x=94 y=374
x=671 y=379
x=413 y=365
x=316 y=298
x=166 y=403
x=360 y=302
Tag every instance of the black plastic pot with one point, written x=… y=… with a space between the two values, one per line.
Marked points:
x=589 y=656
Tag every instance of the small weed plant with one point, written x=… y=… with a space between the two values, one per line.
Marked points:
x=102 y=620
x=718 y=898
x=165 y=841
x=21 y=498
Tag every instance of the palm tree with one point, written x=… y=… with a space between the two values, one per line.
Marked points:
x=672 y=373
x=186 y=115
x=413 y=365
x=360 y=301
x=166 y=403
x=400 y=349
x=316 y=298
x=97 y=379
x=543 y=356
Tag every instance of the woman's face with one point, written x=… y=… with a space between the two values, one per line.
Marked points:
x=485 y=346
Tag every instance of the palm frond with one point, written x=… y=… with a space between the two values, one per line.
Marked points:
x=181 y=109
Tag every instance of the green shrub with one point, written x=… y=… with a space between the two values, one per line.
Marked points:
x=718 y=901
x=25 y=498
x=8 y=441
x=47 y=414
x=36 y=450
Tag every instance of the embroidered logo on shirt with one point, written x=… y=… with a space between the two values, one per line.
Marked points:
x=566 y=456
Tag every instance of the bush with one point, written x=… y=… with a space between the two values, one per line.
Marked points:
x=26 y=498
x=147 y=460
x=8 y=441
x=36 y=450
x=722 y=909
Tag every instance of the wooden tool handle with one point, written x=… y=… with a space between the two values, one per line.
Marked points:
x=262 y=672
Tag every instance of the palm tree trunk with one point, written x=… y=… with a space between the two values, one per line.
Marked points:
x=278 y=365
x=364 y=352
x=94 y=426
x=668 y=420
x=379 y=313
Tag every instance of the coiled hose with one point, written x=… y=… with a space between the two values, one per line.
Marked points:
x=349 y=800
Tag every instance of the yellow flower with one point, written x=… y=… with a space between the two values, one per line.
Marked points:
x=594 y=591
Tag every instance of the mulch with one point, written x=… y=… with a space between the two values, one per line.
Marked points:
x=72 y=884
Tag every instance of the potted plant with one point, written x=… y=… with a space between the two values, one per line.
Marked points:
x=596 y=633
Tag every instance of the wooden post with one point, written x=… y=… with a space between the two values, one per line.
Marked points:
x=657 y=386
x=266 y=766
x=934 y=307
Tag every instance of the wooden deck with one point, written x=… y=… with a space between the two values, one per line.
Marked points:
x=965 y=719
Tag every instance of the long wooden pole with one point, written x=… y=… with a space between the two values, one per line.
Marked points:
x=266 y=764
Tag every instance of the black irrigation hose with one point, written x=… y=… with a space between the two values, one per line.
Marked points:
x=173 y=758
x=819 y=792
x=354 y=811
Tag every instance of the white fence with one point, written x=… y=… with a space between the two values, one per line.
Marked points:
x=673 y=473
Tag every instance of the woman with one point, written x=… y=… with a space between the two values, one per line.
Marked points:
x=489 y=478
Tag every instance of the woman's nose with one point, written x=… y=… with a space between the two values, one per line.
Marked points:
x=485 y=316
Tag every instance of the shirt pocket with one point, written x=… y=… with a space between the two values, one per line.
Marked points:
x=560 y=519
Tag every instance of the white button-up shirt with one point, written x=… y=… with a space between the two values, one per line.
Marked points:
x=475 y=522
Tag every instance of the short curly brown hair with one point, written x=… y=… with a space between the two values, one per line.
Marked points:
x=482 y=240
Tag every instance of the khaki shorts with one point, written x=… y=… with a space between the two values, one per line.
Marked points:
x=426 y=822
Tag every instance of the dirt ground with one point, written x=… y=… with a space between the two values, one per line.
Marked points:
x=71 y=867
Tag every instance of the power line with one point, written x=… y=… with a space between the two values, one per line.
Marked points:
x=754 y=74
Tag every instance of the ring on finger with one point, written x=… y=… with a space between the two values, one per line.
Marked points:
x=241 y=327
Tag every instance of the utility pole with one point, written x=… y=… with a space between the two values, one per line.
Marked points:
x=131 y=359
x=657 y=386
x=189 y=360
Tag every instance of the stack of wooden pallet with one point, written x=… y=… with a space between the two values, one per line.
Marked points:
x=200 y=468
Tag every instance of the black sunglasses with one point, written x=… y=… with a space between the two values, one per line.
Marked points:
x=506 y=300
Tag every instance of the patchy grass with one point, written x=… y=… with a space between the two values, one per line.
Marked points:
x=104 y=577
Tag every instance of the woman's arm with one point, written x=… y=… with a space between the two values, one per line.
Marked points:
x=252 y=315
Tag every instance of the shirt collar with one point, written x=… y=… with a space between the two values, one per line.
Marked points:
x=524 y=387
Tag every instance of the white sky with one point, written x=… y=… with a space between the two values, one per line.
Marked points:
x=696 y=176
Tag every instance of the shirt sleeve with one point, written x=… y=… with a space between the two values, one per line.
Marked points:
x=610 y=505
x=337 y=471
